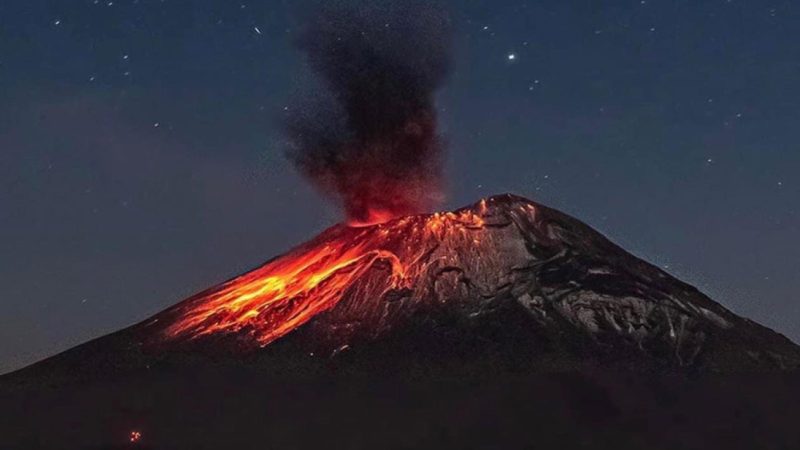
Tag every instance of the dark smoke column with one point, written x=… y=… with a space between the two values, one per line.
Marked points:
x=370 y=140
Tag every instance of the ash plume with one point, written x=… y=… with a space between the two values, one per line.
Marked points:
x=370 y=140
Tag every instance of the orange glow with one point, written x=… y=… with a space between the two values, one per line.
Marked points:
x=273 y=300
x=374 y=217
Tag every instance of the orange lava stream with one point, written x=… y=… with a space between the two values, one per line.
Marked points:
x=285 y=293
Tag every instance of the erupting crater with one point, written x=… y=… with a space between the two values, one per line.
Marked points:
x=505 y=261
x=288 y=291
x=502 y=305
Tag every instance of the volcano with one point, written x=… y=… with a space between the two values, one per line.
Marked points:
x=504 y=323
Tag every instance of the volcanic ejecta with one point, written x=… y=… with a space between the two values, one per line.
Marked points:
x=369 y=139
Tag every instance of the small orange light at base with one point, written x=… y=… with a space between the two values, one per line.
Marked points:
x=135 y=436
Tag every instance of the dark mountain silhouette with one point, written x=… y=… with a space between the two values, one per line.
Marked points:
x=505 y=324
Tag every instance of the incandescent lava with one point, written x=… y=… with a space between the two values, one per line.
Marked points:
x=288 y=291
x=504 y=263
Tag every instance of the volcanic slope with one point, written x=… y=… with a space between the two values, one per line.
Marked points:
x=504 y=262
x=501 y=302
x=502 y=267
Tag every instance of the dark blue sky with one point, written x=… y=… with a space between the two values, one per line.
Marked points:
x=140 y=158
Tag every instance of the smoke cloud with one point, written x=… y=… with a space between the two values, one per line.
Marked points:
x=370 y=140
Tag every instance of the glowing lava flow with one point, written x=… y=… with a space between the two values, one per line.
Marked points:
x=285 y=293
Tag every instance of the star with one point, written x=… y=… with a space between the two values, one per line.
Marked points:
x=512 y=56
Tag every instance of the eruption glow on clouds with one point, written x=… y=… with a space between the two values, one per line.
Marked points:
x=371 y=142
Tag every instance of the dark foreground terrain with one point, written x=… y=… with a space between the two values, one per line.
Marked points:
x=502 y=325
x=226 y=405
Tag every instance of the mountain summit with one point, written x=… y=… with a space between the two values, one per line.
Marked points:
x=497 y=290
x=504 y=267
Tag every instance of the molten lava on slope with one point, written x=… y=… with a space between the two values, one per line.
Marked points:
x=287 y=292
x=504 y=261
x=369 y=326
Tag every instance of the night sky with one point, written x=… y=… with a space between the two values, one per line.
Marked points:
x=141 y=155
